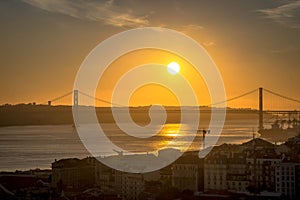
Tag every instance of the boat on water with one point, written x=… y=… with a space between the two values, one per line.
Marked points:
x=281 y=130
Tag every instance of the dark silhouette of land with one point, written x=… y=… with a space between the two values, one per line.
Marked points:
x=30 y=114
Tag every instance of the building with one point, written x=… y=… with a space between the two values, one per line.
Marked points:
x=104 y=178
x=73 y=173
x=186 y=172
x=246 y=168
x=255 y=167
x=237 y=175
x=286 y=178
x=131 y=185
x=222 y=166
x=215 y=173
x=262 y=171
x=166 y=176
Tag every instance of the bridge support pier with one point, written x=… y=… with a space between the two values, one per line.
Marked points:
x=261 y=114
x=75 y=98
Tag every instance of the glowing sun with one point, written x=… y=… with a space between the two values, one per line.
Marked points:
x=173 y=68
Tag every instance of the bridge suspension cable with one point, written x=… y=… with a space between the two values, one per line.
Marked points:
x=101 y=100
x=282 y=96
x=234 y=98
x=213 y=104
x=60 y=97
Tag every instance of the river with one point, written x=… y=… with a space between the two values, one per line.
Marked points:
x=30 y=147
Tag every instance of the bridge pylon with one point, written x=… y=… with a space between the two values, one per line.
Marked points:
x=261 y=110
x=75 y=98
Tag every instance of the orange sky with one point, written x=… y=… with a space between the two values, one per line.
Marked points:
x=152 y=93
x=43 y=44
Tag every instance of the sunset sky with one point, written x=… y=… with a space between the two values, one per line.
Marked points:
x=43 y=42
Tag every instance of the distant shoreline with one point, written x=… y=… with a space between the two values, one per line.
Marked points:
x=29 y=114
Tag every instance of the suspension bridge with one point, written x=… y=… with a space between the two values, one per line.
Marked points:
x=285 y=106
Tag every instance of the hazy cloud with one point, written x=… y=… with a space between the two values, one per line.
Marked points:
x=287 y=14
x=104 y=11
x=192 y=27
x=187 y=28
x=209 y=44
x=284 y=50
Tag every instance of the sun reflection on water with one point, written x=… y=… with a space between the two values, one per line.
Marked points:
x=170 y=130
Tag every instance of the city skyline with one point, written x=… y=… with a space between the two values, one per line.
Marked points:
x=139 y=99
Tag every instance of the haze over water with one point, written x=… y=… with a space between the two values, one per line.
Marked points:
x=29 y=147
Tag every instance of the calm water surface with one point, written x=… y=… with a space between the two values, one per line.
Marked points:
x=28 y=147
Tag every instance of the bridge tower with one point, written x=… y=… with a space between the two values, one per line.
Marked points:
x=75 y=98
x=261 y=114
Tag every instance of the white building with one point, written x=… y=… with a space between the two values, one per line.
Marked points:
x=215 y=173
x=285 y=176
